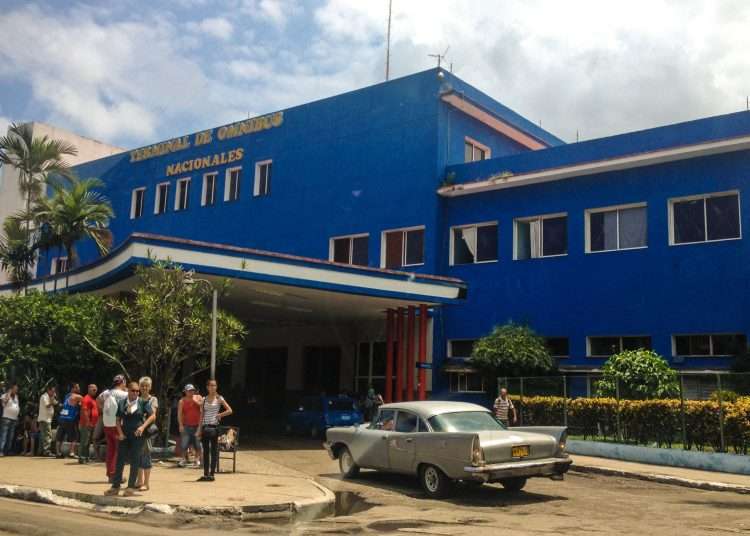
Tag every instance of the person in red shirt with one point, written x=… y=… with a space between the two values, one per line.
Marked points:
x=188 y=417
x=89 y=418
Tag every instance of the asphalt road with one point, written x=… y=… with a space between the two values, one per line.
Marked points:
x=388 y=504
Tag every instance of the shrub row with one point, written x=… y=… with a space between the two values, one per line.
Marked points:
x=647 y=422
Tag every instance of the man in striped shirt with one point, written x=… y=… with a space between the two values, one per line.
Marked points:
x=504 y=408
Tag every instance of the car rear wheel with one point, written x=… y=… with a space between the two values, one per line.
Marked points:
x=514 y=484
x=348 y=468
x=434 y=482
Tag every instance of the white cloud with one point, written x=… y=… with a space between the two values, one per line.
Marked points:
x=217 y=27
x=277 y=12
x=4 y=124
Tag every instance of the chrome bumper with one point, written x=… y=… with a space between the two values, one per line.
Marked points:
x=550 y=467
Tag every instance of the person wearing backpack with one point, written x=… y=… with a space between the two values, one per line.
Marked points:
x=134 y=416
x=109 y=401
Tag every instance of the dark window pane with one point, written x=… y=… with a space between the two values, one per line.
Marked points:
x=682 y=345
x=555 y=236
x=468 y=152
x=385 y=418
x=474 y=382
x=700 y=345
x=487 y=243
x=604 y=346
x=360 y=254
x=464 y=245
x=341 y=250
x=688 y=221
x=479 y=154
x=378 y=358
x=415 y=247
x=461 y=348
x=729 y=344
x=558 y=346
x=453 y=382
x=523 y=240
x=596 y=231
x=406 y=422
x=635 y=343
x=393 y=249
x=633 y=227
x=723 y=217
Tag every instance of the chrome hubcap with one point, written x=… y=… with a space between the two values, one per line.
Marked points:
x=431 y=479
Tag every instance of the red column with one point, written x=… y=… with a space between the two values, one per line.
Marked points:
x=399 y=394
x=422 y=351
x=410 y=353
x=389 y=355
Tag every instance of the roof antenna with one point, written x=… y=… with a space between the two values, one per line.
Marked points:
x=747 y=103
x=388 y=44
x=440 y=57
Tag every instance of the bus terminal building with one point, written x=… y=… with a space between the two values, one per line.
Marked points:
x=371 y=237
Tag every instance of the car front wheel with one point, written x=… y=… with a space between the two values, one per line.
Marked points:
x=348 y=468
x=434 y=482
x=514 y=484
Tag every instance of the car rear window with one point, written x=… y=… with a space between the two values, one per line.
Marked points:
x=465 y=421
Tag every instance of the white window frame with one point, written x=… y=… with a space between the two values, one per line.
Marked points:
x=670 y=215
x=465 y=383
x=157 y=198
x=710 y=343
x=449 y=346
x=539 y=218
x=476 y=145
x=204 y=187
x=53 y=267
x=476 y=226
x=133 y=197
x=403 y=245
x=617 y=209
x=351 y=238
x=228 y=182
x=620 y=337
x=256 y=184
x=178 y=185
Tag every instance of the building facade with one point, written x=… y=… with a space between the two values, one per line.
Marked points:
x=621 y=242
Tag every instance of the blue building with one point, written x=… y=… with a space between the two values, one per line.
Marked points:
x=424 y=200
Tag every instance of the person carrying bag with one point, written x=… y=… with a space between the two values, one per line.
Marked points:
x=208 y=431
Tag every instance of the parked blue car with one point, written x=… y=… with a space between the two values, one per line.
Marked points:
x=315 y=414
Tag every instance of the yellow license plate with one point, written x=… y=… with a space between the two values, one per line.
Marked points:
x=520 y=452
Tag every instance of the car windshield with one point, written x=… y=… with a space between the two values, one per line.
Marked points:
x=465 y=421
x=340 y=404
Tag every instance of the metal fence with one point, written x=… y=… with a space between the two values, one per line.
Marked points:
x=707 y=411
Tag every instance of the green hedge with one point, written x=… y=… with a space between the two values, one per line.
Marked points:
x=647 y=422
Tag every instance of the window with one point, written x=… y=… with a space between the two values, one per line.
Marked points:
x=616 y=228
x=262 y=178
x=183 y=194
x=473 y=150
x=541 y=236
x=208 y=195
x=136 y=203
x=558 y=346
x=406 y=422
x=404 y=247
x=708 y=345
x=59 y=265
x=460 y=347
x=607 y=346
x=232 y=184
x=474 y=243
x=705 y=218
x=370 y=367
x=350 y=249
x=162 y=196
x=466 y=382
x=384 y=420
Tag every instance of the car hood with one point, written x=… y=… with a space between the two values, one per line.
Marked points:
x=497 y=445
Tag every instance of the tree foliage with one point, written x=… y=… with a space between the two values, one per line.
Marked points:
x=43 y=341
x=511 y=350
x=641 y=374
x=17 y=252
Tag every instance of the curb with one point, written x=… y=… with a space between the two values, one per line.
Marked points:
x=661 y=479
x=306 y=509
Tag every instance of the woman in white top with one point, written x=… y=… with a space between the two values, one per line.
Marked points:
x=144 y=474
x=213 y=409
x=10 y=410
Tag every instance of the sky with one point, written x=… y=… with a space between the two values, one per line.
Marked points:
x=133 y=73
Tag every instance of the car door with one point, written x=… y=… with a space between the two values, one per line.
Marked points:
x=371 y=449
x=401 y=444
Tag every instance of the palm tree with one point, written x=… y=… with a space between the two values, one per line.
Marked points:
x=17 y=252
x=73 y=213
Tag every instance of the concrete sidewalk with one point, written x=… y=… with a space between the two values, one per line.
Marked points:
x=692 y=478
x=259 y=486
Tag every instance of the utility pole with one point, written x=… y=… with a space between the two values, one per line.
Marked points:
x=388 y=44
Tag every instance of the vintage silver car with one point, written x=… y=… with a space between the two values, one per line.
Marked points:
x=446 y=442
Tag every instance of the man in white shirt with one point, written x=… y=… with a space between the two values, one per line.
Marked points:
x=109 y=402
x=47 y=403
x=11 y=409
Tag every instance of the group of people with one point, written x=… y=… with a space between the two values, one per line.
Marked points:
x=124 y=415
